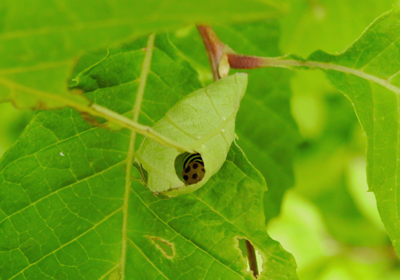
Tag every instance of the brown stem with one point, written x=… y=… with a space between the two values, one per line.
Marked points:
x=240 y=61
x=214 y=48
x=251 y=255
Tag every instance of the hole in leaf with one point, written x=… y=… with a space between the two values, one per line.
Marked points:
x=166 y=248
x=253 y=257
x=189 y=168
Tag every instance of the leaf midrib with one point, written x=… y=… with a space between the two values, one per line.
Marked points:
x=131 y=151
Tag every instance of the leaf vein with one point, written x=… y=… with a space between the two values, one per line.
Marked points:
x=147 y=258
x=131 y=151
x=56 y=192
x=69 y=242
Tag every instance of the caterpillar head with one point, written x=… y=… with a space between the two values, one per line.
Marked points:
x=193 y=169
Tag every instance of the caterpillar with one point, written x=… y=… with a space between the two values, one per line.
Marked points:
x=203 y=120
x=193 y=169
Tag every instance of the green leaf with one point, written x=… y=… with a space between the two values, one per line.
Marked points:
x=204 y=120
x=368 y=74
x=39 y=45
x=328 y=25
x=68 y=209
x=371 y=82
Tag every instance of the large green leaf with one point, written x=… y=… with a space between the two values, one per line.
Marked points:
x=39 y=45
x=68 y=209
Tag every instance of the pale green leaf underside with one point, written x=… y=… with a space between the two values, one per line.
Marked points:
x=66 y=210
x=39 y=45
x=205 y=121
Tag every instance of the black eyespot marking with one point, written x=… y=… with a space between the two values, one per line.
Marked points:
x=186 y=177
x=187 y=169
x=203 y=170
x=195 y=175
x=195 y=166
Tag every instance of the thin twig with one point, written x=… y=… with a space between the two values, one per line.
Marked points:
x=83 y=105
x=125 y=122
